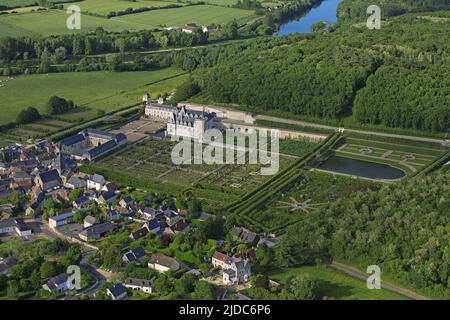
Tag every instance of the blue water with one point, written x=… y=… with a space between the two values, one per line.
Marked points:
x=326 y=12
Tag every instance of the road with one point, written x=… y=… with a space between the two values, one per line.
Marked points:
x=358 y=274
x=39 y=227
x=322 y=126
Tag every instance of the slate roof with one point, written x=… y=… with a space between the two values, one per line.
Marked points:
x=98 y=178
x=138 y=282
x=117 y=290
x=49 y=176
x=14 y=222
x=82 y=200
x=152 y=224
x=72 y=140
x=62 y=216
x=139 y=233
x=55 y=282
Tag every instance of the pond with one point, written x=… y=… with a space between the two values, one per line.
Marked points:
x=361 y=168
x=326 y=12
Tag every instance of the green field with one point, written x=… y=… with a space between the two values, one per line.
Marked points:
x=337 y=285
x=107 y=91
x=201 y=14
x=103 y=7
x=53 y=22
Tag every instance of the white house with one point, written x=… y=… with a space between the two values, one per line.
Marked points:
x=61 y=219
x=162 y=263
x=117 y=292
x=15 y=225
x=57 y=284
x=96 y=182
x=141 y=285
x=235 y=270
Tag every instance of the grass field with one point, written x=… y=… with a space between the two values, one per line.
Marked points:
x=201 y=14
x=53 y=22
x=107 y=91
x=398 y=154
x=337 y=285
x=103 y=7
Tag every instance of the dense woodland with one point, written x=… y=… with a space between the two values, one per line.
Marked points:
x=394 y=76
x=402 y=228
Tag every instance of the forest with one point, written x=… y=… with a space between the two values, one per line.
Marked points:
x=392 y=77
x=403 y=228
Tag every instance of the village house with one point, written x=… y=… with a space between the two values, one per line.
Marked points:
x=107 y=197
x=152 y=226
x=97 y=231
x=6 y=264
x=140 y=233
x=163 y=263
x=117 y=292
x=126 y=202
x=235 y=270
x=48 y=180
x=89 y=221
x=15 y=226
x=57 y=284
x=75 y=182
x=96 y=182
x=245 y=236
x=82 y=203
x=134 y=255
x=21 y=180
x=113 y=215
x=61 y=219
x=90 y=144
x=141 y=285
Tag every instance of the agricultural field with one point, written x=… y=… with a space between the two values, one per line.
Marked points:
x=406 y=156
x=103 y=7
x=94 y=91
x=53 y=22
x=200 y=14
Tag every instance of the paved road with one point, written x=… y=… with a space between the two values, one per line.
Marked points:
x=321 y=126
x=98 y=277
x=358 y=274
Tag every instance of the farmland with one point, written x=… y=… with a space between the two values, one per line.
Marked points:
x=95 y=91
x=53 y=22
x=200 y=14
x=103 y=7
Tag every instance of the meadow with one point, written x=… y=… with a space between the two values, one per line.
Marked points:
x=53 y=22
x=103 y=7
x=200 y=14
x=336 y=285
x=95 y=91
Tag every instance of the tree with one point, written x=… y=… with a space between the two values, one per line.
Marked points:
x=28 y=115
x=195 y=208
x=48 y=269
x=73 y=256
x=301 y=287
x=12 y=290
x=203 y=291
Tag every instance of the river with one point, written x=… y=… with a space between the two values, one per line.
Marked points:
x=326 y=11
